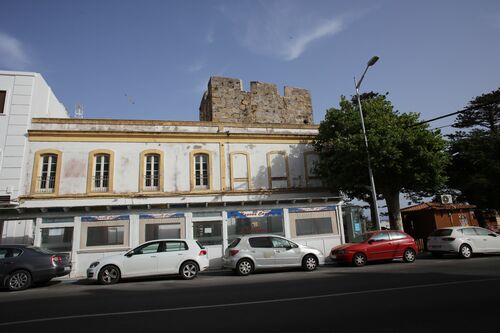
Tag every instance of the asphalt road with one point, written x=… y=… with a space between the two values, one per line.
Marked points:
x=430 y=295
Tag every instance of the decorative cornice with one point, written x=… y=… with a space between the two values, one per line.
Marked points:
x=128 y=136
x=97 y=195
x=165 y=123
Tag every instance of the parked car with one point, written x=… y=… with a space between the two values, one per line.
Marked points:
x=376 y=245
x=463 y=241
x=159 y=257
x=22 y=265
x=248 y=253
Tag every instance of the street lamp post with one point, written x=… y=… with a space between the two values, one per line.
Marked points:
x=371 y=62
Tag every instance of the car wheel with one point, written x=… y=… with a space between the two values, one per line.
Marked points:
x=409 y=255
x=109 y=275
x=359 y=259
x=189 y=270
x=465 y=251
x=310 y=262
x=19 y=280
x=244 y=267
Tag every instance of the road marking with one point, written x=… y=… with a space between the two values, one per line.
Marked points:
x=279 y=300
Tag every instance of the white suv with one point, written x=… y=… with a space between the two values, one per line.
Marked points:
x=158 y=257
x=250 y=252
x=463 y=241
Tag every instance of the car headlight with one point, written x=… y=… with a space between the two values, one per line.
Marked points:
x=341 y=252
x=94 y=264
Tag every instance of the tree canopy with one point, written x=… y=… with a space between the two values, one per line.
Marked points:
x=475 y=151
x=405 y=158
x=483 y=112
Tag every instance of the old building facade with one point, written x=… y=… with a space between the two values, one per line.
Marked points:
x=96 y=187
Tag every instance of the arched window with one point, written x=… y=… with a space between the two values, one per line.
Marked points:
x=100 y=177
x=201 y=177
x=151 y=169
x=240 y=170
x=47 y=178
x=277 y=169
x=311 y=159
x=46 y=172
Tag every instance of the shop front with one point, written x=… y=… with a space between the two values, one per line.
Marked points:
x=91 y=237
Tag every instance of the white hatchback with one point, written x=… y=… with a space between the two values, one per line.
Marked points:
x=463 y=240
x=158 y=257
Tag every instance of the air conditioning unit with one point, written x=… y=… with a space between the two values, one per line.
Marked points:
x=446 y=199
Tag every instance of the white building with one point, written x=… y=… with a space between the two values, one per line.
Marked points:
x=97 y=187
x=23 y=96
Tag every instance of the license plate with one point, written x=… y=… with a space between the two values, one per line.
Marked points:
x=334 y=256
x=67 y=268
x=435 y=246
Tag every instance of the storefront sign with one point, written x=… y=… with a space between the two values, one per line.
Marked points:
x=255 y=213
x=104 y=218
x=312 y=209
x=161 y=216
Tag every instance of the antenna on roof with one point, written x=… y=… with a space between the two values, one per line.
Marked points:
x=79 y=111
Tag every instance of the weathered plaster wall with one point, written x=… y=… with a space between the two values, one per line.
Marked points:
x=176 y=171
x=126 y=173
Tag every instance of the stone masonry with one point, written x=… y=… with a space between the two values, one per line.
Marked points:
x=225 y=101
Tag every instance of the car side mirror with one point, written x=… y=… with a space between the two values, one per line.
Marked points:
x=371 y=241
x=129 y=254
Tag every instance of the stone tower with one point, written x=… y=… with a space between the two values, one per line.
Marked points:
x=225 y=101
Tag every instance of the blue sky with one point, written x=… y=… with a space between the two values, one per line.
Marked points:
x=153 y=59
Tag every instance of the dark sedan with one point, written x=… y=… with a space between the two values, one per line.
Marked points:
x=21 y=266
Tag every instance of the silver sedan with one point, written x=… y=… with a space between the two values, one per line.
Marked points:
x=250 y=252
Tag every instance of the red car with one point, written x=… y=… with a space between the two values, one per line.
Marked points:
x=376 y=245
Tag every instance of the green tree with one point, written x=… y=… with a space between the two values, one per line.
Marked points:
x=475 y=151
x=483 y=113
x=405 y=158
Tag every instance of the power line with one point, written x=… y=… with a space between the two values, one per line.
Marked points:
x=470 y=108
x=437 y=118
x=435 y=128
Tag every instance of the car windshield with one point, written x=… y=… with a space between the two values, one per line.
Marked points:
x=361 y=238
x=441 y=232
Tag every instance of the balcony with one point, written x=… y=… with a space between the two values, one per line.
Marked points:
x=100 y=184
x=45 y=184
x=151 y=183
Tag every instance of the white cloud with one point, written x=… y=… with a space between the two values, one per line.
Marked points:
x=284 y=30
x=299 y=44
x=196 y=66
x=12 y=53
x=209 y=38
